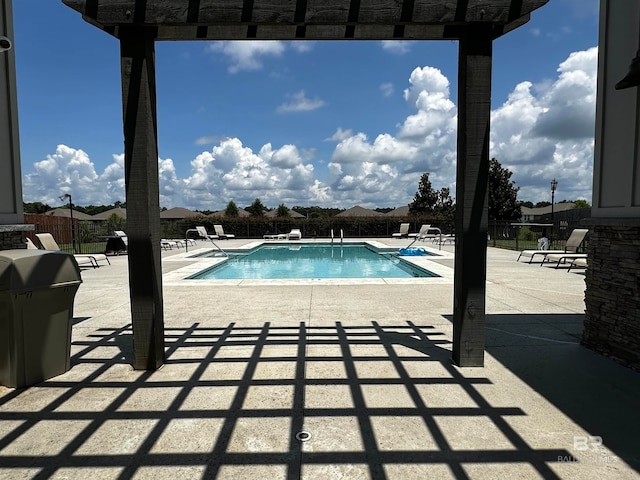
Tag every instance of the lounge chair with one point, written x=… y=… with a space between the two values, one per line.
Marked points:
x=294 y=234
x=115 y=244
x=169 y=243
x=203 y=233
x=578 y=263
x=563 y=258
x=574 y=242
x=30 y=244
x=404 y=231
x=422 y=232
x=220 y=233
x=274 y=236
x=123 y=236
x=49 y=243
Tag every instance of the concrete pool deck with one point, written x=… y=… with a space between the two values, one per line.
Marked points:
x=364 y=368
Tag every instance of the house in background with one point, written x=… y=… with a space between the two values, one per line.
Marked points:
x=119 y=211
x=399 y=212
x=359 y=211
x=221 y=213
x=292 y=214
x=66 y=213
x=532 y=215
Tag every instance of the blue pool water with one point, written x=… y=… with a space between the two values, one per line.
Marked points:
x=313 y=261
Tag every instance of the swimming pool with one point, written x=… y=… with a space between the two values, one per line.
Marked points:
x=304 y=261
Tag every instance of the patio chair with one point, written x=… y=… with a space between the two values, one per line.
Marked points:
x=294 y=234
x=563 y=258
x=30 y=244
x=574 y=242
x=404 y=231
x=220 y=233
x=123 y=236
x=202 y=231
x=49 y=243
x=578 y=263
x=422 y=232
x=117 y=244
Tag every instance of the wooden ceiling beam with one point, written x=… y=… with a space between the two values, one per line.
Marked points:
x=305 y=19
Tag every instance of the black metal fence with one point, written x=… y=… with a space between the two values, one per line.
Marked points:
x=525 y=235
x=91 y=236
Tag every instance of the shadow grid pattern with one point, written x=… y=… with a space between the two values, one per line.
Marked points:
x=232 y=399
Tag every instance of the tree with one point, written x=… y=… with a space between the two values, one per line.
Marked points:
x=283 y=211
x=542 y=204
x=36 y=207
x=256 y=209
x=425 y=198
x=527 y=204
x=445 y=208
x=503 y=193
x=231 y=210
x=581 y=203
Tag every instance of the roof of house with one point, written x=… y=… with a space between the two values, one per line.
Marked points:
x=558 y=207
x=178 y=213
x=399 y=212
x=359 y=211
x=65 y=212
x=220 y=213
x=119 y=211
x=292 y=213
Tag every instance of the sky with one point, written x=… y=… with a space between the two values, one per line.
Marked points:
x=332 y=124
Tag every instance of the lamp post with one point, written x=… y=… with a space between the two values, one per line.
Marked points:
x=554 y=185
x=73 y=234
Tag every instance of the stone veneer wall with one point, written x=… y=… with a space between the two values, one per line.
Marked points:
x=612 y=320
x=12 y=236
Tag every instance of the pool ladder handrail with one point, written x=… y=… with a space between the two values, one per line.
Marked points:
x=209 y=238
x=341 y=236
x=424 y=235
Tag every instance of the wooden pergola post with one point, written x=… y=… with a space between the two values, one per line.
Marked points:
x=137 y=56
x=472 y=199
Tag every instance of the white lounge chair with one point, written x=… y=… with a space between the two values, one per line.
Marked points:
x=294 y=234
x=220 y=233
x=574 y=242
x=404 y=231
x=423 y=231
x=578 y=263
x=203 y=233
x=563 y=258
x=89 y=259
x=123 y=236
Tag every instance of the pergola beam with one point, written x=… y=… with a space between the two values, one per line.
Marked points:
x=312 y=20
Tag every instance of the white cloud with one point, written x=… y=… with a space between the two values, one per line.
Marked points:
x=207 y=140
x=386 y=89
x=247 y=54
x=396 y=47
x=541 y=131
x=339 y=135
x=546 y=132
x=300 y=103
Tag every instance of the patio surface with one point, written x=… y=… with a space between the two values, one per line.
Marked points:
x=364 y=368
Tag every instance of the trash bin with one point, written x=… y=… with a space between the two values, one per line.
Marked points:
x=37 y=289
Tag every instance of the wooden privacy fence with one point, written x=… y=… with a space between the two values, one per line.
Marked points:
x=89 y=235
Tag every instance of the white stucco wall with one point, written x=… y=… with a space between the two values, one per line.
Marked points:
x=11 y=211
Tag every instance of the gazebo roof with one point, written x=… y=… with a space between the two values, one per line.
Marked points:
x=285 y=19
